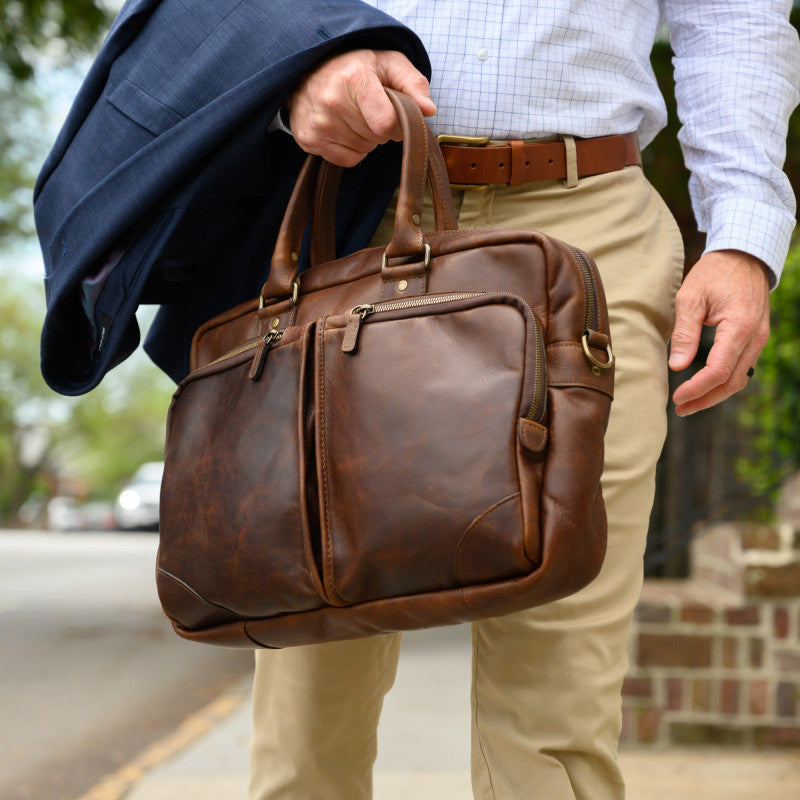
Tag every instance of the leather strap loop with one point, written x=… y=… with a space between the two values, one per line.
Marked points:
x=517 y=162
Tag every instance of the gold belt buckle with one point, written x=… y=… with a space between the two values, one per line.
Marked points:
x=465 y=141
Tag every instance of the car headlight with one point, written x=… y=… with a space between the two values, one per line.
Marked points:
x=130 y=500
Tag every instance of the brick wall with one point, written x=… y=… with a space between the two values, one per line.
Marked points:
x=716 y=658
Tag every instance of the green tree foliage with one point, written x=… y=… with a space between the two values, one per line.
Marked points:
x=116 y=427
x=20 y=153
x=86 y=445
x=20 y=384
x=58 y=29
x=34 y=34
x=769 y=411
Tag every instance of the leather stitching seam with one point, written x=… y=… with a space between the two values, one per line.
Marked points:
x=330 y=578
x=307 y=533
x=423 y=127
x=323 y=448
x=576 y=382
x=194 y=593
x=485 y=513
x=255 y=641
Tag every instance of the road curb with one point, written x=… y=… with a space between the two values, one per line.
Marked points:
x=116 y=785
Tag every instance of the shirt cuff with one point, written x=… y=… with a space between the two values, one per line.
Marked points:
x=280 y=122
x=754 y=227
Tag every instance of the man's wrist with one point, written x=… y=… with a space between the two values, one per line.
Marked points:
x=754 y=227
x=746 y=259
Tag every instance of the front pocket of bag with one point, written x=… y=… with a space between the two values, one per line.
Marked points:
x=231 y=531
x=416 y=430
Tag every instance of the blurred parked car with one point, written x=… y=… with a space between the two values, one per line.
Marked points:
x=98 y=515
x=66 y=513
x=137 y=505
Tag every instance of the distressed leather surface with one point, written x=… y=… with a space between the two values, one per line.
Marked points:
x=435 y=461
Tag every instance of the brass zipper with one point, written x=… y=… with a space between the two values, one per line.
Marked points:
x=260 y=359
x=231 y=353
x=264 y=344
x=591 y=291
x=361 y=312
x=539 y=402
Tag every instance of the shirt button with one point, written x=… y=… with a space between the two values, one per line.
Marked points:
x=483 y=54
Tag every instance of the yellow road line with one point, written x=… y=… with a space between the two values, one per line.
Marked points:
x=116 y=785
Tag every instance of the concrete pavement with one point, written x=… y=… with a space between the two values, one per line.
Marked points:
x=90 y=669
x=424 y=746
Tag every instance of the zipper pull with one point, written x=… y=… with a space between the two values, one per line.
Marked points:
x=357 y=315
x=260 y=358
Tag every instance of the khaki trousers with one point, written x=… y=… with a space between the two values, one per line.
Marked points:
x=546 y=682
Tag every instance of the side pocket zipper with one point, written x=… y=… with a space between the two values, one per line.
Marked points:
x=360 y=313
x=260 y=358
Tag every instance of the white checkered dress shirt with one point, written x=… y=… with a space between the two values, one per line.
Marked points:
x=518 y=69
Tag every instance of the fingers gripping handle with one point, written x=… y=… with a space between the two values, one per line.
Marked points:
x=316 y=188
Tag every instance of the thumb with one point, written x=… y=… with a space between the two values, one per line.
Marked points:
x=685 y=339
x=397 y=72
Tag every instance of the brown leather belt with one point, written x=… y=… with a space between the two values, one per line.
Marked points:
x=517 y=162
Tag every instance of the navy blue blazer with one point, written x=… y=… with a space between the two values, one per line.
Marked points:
x=166 y=160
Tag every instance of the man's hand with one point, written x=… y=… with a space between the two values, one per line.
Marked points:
x=729 y=289
x=340 y=110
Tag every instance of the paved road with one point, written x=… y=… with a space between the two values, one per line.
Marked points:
x=90 y=670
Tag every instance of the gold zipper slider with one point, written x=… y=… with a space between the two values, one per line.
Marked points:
x=357 y=315
x=260 y=358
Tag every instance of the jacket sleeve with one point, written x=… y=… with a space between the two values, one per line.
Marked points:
x=171 y=121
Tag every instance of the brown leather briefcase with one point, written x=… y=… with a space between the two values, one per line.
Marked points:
x=406 y=437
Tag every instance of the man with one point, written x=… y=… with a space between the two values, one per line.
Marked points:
x=546 y=682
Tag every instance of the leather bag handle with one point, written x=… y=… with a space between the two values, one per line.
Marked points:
x=283 y=269
x=323 y=233
x=316 y=187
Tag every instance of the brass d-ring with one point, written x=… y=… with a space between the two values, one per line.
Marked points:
x=588 y=353
x=426 y=258
x=295 y=295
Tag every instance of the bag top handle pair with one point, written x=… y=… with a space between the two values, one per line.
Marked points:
x=315 y=191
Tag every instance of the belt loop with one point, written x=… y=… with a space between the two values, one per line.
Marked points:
x=517 y=162
x=572 y=161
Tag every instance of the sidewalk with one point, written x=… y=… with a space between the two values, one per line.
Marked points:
x=424 y=746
